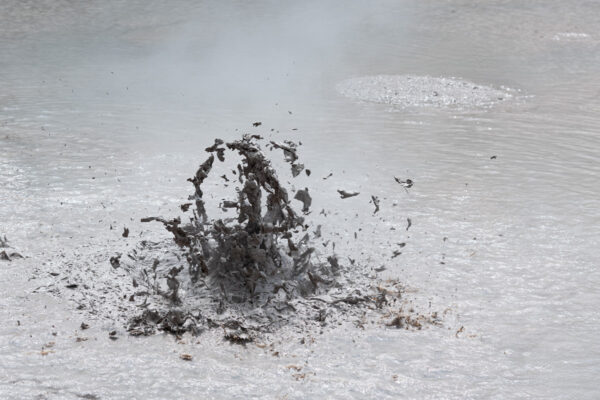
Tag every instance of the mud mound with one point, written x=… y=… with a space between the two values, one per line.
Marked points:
x=422 y=91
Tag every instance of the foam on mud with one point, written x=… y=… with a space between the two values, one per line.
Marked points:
x=422 y=91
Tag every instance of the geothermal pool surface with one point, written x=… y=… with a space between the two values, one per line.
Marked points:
x=105 y=111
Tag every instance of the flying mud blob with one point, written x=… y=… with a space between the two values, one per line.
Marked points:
x=422 y=91
x=345 y=195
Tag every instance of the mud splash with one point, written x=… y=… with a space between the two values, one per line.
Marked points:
x=249 y=274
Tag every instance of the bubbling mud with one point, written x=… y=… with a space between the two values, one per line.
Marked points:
x=422 y=91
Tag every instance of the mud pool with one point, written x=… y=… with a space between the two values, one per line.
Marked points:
x=106 y=109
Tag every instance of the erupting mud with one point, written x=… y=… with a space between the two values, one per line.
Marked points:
x=250 y=273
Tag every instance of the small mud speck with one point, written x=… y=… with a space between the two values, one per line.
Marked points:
x=375 y=201
x=344 y=194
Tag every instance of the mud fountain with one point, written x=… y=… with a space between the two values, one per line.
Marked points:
x=257 y=267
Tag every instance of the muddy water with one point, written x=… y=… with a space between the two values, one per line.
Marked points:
x=104 y=109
